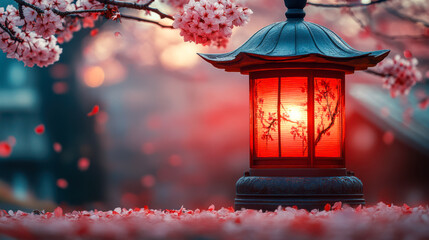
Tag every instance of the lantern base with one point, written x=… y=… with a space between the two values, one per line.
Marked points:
x=270 y=192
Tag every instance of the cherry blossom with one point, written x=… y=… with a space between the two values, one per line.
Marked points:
x=210 y=22
x=401 y=75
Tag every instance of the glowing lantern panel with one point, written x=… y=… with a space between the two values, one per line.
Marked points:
x=327 y=115
x=293 y=120
x=280 y=120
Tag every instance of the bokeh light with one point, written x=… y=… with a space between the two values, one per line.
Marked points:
x=93 y=76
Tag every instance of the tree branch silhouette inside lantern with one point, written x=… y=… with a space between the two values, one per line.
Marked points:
x=297 y=119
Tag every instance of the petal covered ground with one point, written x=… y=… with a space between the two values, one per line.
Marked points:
x=375 y=222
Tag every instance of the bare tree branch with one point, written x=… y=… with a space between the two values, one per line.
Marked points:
x=145 y=20
x=406 y=17
x=370 y=71
x=350 y=5
x=386 y=36
x=137 y=6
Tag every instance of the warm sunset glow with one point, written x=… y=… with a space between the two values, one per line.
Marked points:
x=93 y=76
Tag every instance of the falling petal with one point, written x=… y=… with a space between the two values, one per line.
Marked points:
x=94 y=111
x=5 y=149
x=62 y=183
x=57 y=147
x=148 y=181
x=94 y=32
x=408 y=54
x=11 y=140
x=83 y=164
x=39 y=129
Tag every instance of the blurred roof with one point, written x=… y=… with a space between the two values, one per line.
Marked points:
x=410 y=123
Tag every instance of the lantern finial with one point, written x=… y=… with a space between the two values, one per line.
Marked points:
x=295 y=9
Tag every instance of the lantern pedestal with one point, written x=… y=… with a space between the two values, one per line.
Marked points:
x=305 y=188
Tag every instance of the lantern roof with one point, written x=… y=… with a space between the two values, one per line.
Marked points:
x=295 y=41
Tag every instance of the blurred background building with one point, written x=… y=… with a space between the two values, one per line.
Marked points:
x=173 y=131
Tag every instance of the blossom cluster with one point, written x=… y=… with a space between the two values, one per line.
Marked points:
x=337 y=222
x=401 y=74
x=30 y=33
x=210 y=22
x=26 y=46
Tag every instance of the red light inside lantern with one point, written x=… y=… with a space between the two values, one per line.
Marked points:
x=293 y=117
x=280 y=124
x=290 y=126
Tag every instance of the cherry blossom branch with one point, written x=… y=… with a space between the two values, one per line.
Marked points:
x=26 y=4
x=131 y=5
x=137 y=6
x=145 y=20
x=349 y=5
x=12 y=36
x=21 y=11
x=56 y=11
x=376 y=73
x=44 y=24
x=68 y=13
x=377 y=33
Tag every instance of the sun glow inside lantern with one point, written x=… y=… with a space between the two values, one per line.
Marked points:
x=297 y=113
x=288 y=109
